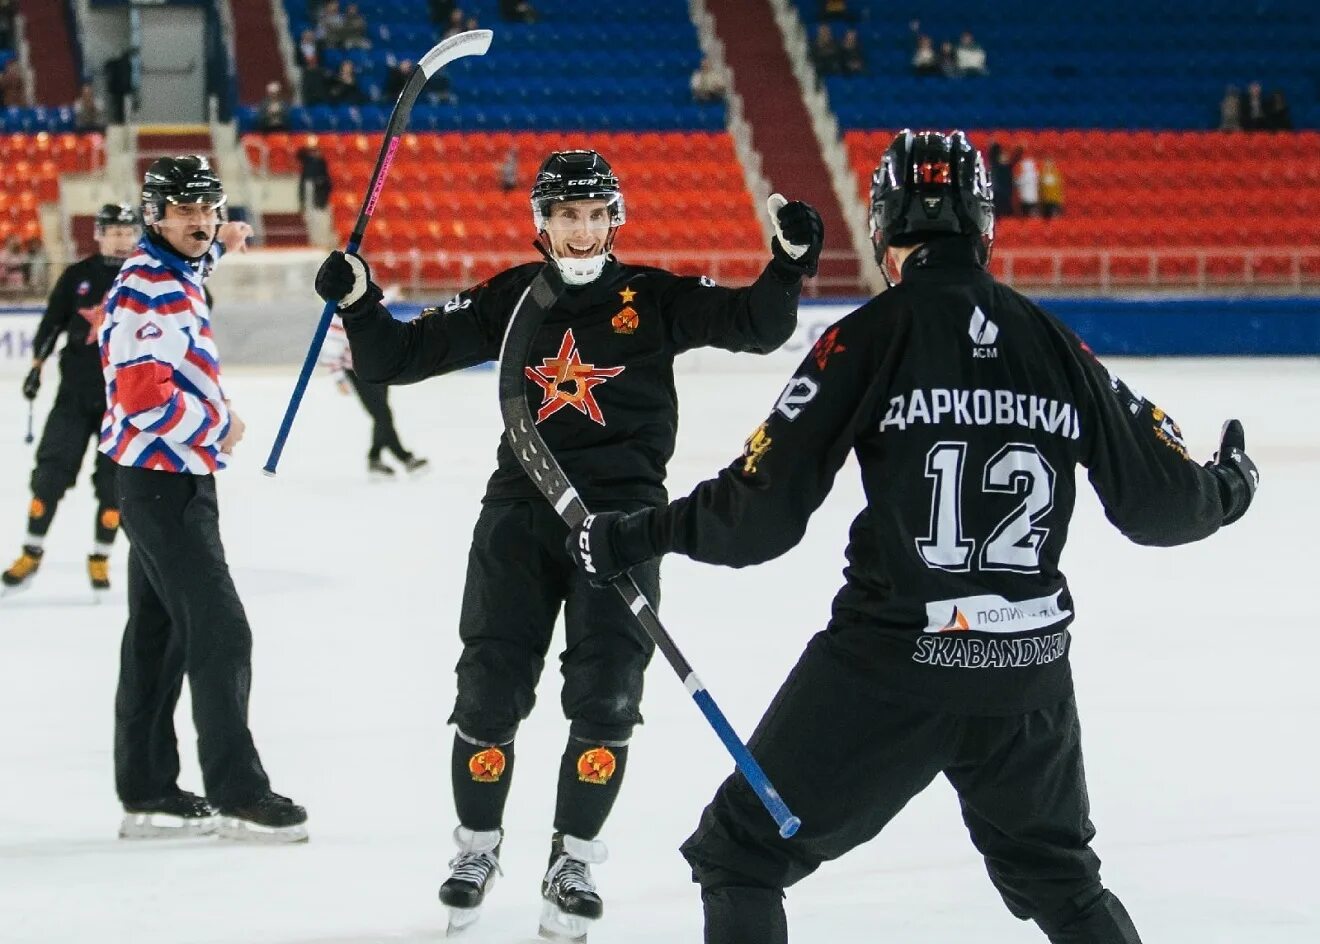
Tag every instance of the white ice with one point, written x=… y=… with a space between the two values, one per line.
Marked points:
x=1196 y=673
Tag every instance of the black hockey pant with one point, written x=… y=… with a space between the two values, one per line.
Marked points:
x=375 y=398
x=847 y=760
x=184 y=617
x=74 y=421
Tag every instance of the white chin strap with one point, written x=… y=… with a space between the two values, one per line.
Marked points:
x=581 y=271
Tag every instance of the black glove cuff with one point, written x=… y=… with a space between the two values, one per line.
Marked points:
x=1235 y=491
x=369 y=300
x=632 y=540
x=784 y=267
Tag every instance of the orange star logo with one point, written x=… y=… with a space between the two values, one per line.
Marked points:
x=487 y=766
x=596 y=766
x=94 y=317
x=567 y=367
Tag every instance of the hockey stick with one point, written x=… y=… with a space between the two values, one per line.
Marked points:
x=471 y=43
x=545 y=471
x=27 y=440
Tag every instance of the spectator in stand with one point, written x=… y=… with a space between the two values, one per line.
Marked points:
x=13 y=263
x=470 y=24
x=273 y=112
x=517 y=11
x=509 y=171
x=1277 y=115
x=1051 y=188
x=354 y=31
x=851 y=59
x=1001 y=179
x=310 y=49
x=970 y=57
x=455 y=26
x=12 y=91
x=948 y=66
x=825 y=52
x=38 y=265
x=396 y=76
x=837 y=10
x=88 y=115
x=441 y=11
x=313 y=176
x=343 y=88
x=1253 y=109
x=708 y=83
x=330 y=25
x=1230 y=110
x=924 y=61
x=119 y=84
x=7 y=11
x=1027 y=180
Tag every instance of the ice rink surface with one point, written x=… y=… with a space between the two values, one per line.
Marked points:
x=1198 y=676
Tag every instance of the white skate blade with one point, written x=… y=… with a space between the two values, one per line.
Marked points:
x=164 y=826
x=460 y=919
x=15 y=590
x=558 y=925
x=240 y=830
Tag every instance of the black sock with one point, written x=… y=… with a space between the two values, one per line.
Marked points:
x=589 y=777
x=481 y=774
x=107 y=526
x=40 y=514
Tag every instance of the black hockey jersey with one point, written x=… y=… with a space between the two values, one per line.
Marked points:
x=74 y=306
x=968 y=408
x=600 y=375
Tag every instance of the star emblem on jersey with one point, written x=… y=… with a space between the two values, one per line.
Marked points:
x=627 y=295
x=596 y=766
x=566 y=368
x=827 y=344
x=487 y=766
x=95 y=317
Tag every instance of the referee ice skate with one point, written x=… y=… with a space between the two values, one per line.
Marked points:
x=968 y=408
x=601 y=383
x=170 y=427
x=75 y=310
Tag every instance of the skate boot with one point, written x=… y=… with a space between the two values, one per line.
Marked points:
x=178 y=815
x=416 y=466
x=378 y=471
x=98 y=572
x=268 y=818
x=19 y=575
x=471 y=873
x=571 y=902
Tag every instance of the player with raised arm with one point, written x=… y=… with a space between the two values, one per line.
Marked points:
x=968 y=408
x=601 y=382
x=74 y=309
x=170 y=428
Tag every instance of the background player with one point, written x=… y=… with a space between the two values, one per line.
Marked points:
x=601 y=380
x=968 y=408
x=75 y=308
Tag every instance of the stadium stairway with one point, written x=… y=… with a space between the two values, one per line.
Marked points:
x=257 y=49
x=781 y=126
x=50 y=43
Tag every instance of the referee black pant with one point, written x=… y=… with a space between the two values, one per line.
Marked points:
x=184 y=618
x=847 y=759
x=375 y=400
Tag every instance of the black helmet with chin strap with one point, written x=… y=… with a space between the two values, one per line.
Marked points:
x=188 y=178
x=576 y=175
x=930 y=185
x=116 y=214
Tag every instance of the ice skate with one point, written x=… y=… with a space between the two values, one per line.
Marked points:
x=416 y=466
x=180 y=815
x=378 y=471
x=19 y=575
x=269 y=819
x=471 y=873
x=571 y=903
x=98 y=572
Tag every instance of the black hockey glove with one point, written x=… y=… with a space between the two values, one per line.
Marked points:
x=799 y=234
x=1238 y=478
x=606 y=544
x=345 y=279
x=32 y=384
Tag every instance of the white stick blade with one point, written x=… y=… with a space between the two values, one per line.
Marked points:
x=471 y=43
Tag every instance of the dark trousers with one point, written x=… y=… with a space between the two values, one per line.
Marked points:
x=74 y=422
x=518 y=577
x=847 y=760
x=375 y=398
x=184 y=617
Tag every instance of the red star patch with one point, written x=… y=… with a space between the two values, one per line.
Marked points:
x=827 y=344
x=94 y=316
x=566 y=367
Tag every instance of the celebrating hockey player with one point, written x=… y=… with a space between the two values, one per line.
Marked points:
x=170 y=427
x=74 y=309
x=602 y=385
x=968 y=408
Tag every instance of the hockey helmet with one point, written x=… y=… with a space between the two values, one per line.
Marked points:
x=183 y=179
x=116 y=214
x=576 y=175
x=930 y=185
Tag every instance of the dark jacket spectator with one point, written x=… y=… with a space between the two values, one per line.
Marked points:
x=119 y=84
x=353 y=34
x=313 y=176
x=441 y=10
x=7 y=10
x=825 y=52
x=969 y=56
x=924 y=61
x=948 y=61
x=343 y=89
x=1230 y=110
x=456 y=18
x=12 y=91
x=88 y=115
x=310 y=49
x=517 y=11
x=273 y=113
x=397 y=77
x=1277 y=115
x=851 y=58
x=1001 y=179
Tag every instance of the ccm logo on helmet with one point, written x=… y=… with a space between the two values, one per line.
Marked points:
x=585 y=181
